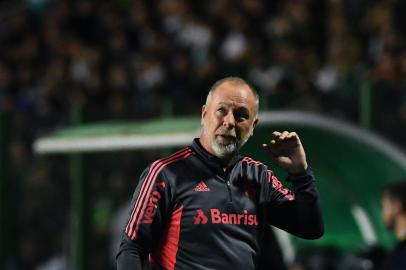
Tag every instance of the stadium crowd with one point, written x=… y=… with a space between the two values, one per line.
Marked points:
x=125 y=60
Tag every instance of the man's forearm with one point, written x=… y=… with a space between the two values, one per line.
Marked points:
x=302 y=216
x=129 y=257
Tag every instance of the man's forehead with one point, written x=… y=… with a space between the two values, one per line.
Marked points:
x=231 y=91
x=233 y=85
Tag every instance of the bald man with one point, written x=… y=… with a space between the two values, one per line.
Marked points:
x=206 y=206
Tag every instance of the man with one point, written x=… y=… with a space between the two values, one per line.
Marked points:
x=394 y=218
x=206 y=207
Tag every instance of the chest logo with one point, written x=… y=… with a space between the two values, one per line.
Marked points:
x=202 y=187
x=217 y=217
x=200 y=218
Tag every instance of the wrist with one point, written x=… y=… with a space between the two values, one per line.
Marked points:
x=301 y=177
x=298 y=170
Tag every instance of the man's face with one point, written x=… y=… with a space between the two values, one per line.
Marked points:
x=228 y=119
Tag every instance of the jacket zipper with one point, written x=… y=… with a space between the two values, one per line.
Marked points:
x=230 y=197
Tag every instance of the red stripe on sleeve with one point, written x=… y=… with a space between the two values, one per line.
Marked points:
x=276 y=184
x=128 y=228
x=142 y=196
x=249 y=160
x=185 y=155
x=165 y=254
x=146 y=185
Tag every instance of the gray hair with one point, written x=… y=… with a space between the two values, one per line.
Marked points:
x=234 y=80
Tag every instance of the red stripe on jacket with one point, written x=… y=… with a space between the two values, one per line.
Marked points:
x=276 y=184
x=146 y=189
x=150 y=189
x=165 y=254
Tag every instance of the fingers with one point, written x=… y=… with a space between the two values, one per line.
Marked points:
x=286 y=150
x=277 y=137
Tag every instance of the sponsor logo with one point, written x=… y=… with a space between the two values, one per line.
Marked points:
x=200 y=218
x=150 y=211
x=216 y=217
x=202 y=187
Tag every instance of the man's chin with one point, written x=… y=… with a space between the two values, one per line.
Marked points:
x=224 y=150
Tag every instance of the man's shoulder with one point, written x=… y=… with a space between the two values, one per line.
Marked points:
x=252 y=162
x=176 y=157
x=164 y=167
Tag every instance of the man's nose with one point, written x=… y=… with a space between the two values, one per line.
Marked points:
x=229 y=121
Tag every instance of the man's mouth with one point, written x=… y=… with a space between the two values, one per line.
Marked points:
x=227 y=138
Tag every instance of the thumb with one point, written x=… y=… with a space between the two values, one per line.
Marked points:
x=269 y=151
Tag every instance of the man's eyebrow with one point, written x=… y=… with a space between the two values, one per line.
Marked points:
x=243 y=110
x=240 y=109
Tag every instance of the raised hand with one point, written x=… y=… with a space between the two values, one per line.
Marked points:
x=286 y=150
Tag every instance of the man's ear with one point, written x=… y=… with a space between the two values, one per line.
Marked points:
x=254 y=125
x=204 y=111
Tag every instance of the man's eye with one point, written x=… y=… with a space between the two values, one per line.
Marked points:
x=221 y=110
x=241 y=117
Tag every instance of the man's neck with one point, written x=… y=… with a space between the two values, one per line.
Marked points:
x=225 y=161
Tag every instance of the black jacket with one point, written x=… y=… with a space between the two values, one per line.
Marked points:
x=188 y=213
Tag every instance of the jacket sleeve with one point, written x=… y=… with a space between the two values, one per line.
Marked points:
x=298 y=211
x=148 y=214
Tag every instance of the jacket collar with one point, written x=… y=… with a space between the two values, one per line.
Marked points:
x=212 y=161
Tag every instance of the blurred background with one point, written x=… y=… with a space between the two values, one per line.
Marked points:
x=68 y=62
